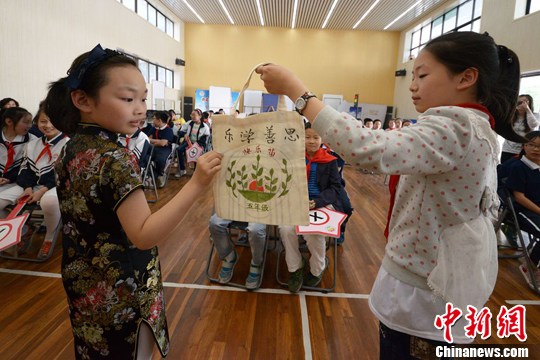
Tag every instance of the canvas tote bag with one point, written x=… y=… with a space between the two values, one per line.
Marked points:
x=263 y=171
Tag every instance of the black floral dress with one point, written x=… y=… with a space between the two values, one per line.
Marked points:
x=111 y=285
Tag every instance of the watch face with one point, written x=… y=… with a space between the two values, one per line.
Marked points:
x=300 y=104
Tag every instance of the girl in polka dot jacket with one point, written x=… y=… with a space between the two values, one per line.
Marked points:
x=441 y=245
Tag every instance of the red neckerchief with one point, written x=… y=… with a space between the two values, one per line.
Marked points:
x=127 y=140
x=394 y=179
x=46 y=150
x=10 y=156
x=320 y=157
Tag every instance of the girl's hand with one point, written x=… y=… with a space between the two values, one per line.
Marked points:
x=4 y=181
x=523 y=105
x=208 y=165
x=311 y=204
x=37 y=195
x=27 y=192
x=280 y=80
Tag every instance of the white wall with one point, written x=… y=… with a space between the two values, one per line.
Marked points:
x=498 y=21
x=41 y=38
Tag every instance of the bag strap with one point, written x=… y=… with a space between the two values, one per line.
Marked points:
x=282 y=105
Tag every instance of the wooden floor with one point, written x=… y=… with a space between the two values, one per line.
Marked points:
x=207 y=321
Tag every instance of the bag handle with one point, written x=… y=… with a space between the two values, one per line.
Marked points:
x=282 y=105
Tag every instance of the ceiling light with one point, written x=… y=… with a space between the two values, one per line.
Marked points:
x=402 y=15
x=260 y=12
x=329 y=14
x=295 y=9
x=366 y=14
x=226 y=11
x=193 y=11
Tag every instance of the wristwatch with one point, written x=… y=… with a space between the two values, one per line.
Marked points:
x=301 y=103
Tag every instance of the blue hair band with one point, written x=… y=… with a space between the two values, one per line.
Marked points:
x=95 y=57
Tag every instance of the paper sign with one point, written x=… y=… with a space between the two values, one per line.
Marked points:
x=323 y=221
x=10 y=231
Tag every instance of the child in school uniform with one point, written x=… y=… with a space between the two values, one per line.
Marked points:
x=524 y=182
x=138 y=143
x=162 y=139
x=15 y=123
x=193 y=131
x=465 y=86
x=324 y=188
x=36 y=178
x=110 y=266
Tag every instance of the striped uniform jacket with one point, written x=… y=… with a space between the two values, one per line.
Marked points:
x=37 y=166
x=138 y=143
x=11 y=155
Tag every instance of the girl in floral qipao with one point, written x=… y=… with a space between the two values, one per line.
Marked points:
x=110 y=266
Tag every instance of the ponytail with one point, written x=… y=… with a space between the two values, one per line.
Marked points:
x=502 y=99
x=60 y=109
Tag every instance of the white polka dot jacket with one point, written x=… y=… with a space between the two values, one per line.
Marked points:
x=447 y=166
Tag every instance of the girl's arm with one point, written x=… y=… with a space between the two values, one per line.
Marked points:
x=159 y=142
x=522 y=200
x=145 y=229
x=532 y=119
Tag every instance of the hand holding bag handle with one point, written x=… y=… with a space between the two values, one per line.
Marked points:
x=282 y=105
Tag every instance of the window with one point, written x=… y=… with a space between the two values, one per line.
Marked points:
x=170 y=28
x=152 y=70
x=148 y=12
x=143 y=66
x=142 y=9
x=530 y=84
x=130 y=4
x=152 y=13
x=161 y=73
x=169 y=78
x=463 y=17
x=532 y=6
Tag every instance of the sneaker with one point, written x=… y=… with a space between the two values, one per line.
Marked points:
x=45 y=249
x=340 y=239
x=26 y=239
x=296 y=279
x=253 y=280
x=312 y=280
x=525 y=272
x=180 y=173
x=227 y=268
x=161 y=181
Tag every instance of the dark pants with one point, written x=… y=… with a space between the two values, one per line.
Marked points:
x=395 y=345
x=530 y=223
x=181 y=152
x=160 y=159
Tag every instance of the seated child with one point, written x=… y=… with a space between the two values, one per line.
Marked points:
x=368 y=123
x=196 y=131
x=162 y=139
x=226 y=252
x=377 y=124
x=37 y=178
x=15 y=123
x=325 y=188
x=138 y=142
x=524 y=182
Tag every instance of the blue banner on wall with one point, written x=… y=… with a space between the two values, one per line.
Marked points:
x=201 y=99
